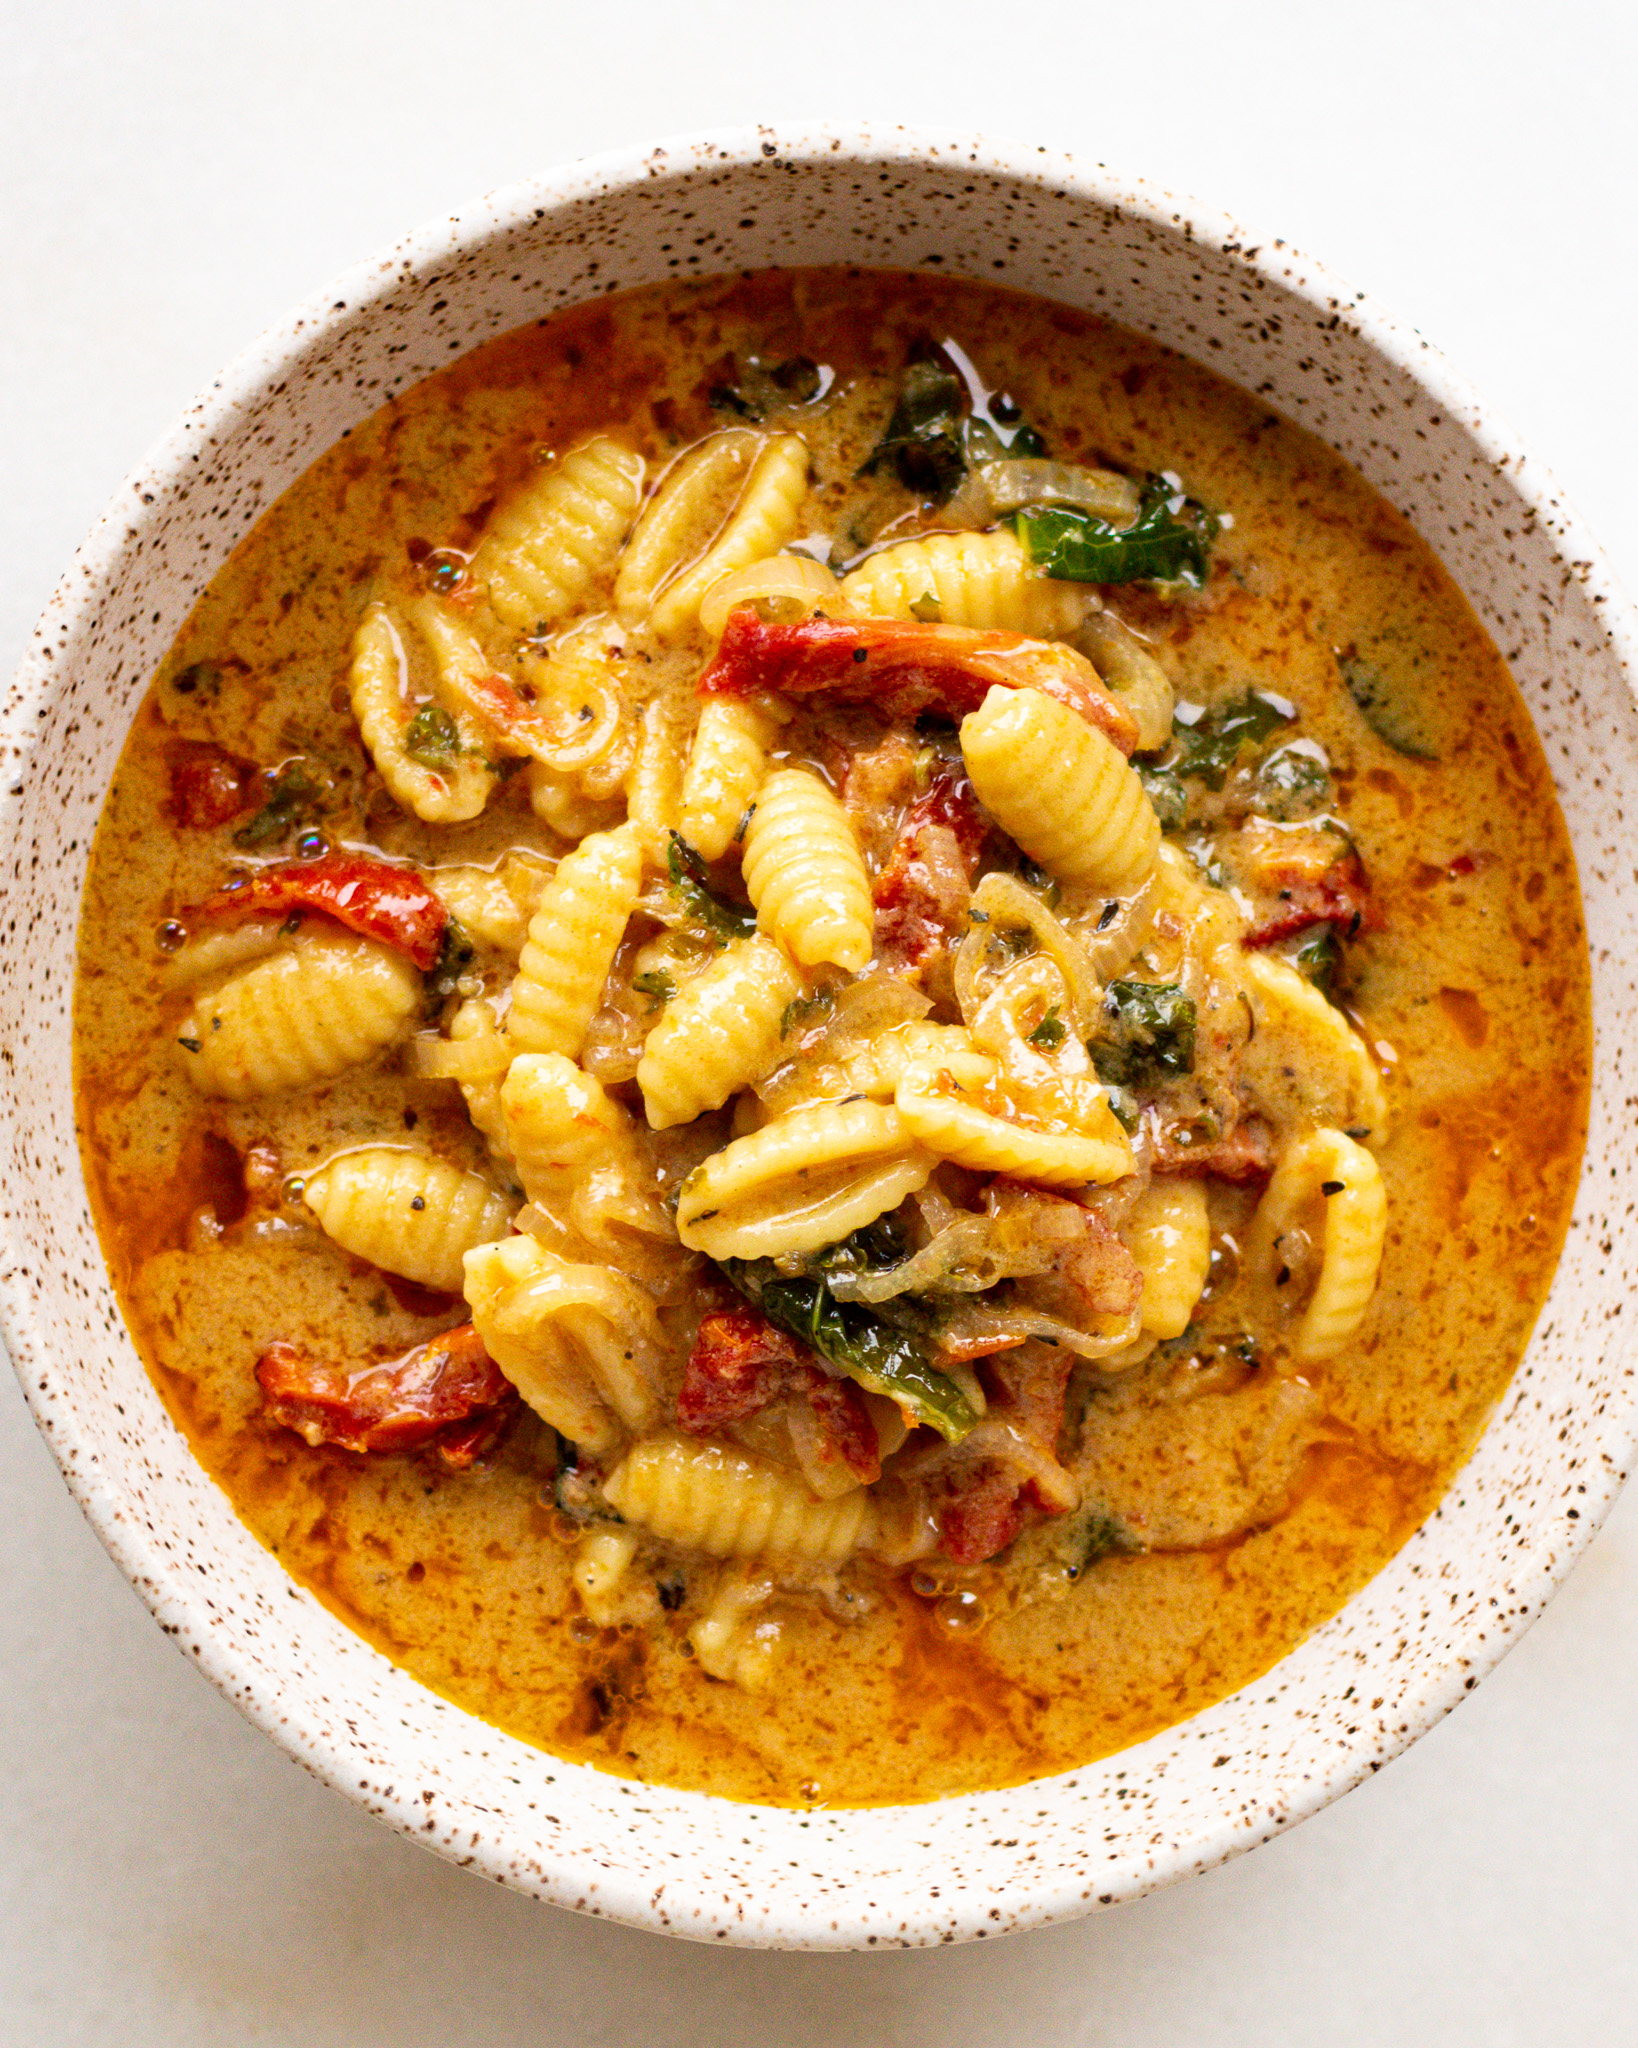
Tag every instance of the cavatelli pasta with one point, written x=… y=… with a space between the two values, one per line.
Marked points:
x=573 y=938
x=1305 y=1063
x=1169 y=1235
x=727 y=1503
x=306 y=1014
x=447 y=778
x=1326 y=1195
x=563 y=804
x=763 y=520
x=803 y=1181
x=805 y=874
x=966 y=579
x=729 y=1640
x=680 y=518
x=576 y=1151
x=654 y=782
x=553 y=537
x=720 y=1032
x=981 y=1127
x=1064 y=792
x=406 y=1211
x=493 y=905
x=581 y=1343
x=601 y=1572
x=726 y=765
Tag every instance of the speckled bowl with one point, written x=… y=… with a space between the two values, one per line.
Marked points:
x=1418 y=1637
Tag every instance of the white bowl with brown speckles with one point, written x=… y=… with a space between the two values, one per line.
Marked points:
x=1411 y=1643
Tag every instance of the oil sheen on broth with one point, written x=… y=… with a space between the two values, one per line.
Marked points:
x=1231 y=1499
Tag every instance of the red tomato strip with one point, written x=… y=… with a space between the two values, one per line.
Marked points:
x=208 y=785
x=903 y=668
x=371 y=897
x=1340 y=897
x=448 y=1393
x=919 y=903
x=740 y=1363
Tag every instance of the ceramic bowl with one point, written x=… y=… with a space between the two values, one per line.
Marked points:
x=1414 y=1640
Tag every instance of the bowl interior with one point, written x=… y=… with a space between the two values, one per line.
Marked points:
x=1353 y=1694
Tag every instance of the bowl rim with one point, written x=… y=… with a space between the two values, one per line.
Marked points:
x=163 y=1583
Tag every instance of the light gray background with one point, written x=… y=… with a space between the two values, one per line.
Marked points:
x=172 y=178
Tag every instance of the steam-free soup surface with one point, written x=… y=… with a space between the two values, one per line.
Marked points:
x=1244 y=1505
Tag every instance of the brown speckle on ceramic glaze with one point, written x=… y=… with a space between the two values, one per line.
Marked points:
x=1405 y=1649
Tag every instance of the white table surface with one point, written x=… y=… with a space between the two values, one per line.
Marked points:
x=172 y=177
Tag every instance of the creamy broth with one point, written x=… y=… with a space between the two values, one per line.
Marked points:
x=1239 y=1501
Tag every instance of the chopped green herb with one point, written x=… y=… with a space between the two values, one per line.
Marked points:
x=454 y=957
x=1051 y=1032
x=1151 y=1037
x=880 y=1359
x=1208 y=749
x=927 y=609
x=1293 y=783
x=1381 y=708
x=1163 y=789
x=1170 y=541
x=432 y=737
x=1319 y=956
x=1102 y=1536
x=299 y=794
x=657 y=986
x=690 y=878
x=1034 y=876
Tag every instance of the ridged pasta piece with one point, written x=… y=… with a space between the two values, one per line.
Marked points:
x=576 y=1151
x=875 y=1070
x=493 y=905
x=787 y=586
x=378 y=684
x=573 y=938
x=803 y=1181
x=726 y=766
x=581 y=1343
x=328 y=1003
x=975 y=1126
x=730 y=1643
x=805 y=874
x=1331 y=1189
x=565 y=806
x=966 y=579
x=1169 y=1235
x=720 y=1032
x=1132 y=673
x=550 y=540
x=654 y=782
x=406 y=1211
x=1064 y=792
x=1305 y=1063
x=679 y=519
x=763 y=520
x=603 y=1559
x=726 y=1503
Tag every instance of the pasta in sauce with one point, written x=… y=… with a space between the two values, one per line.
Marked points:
x=832 y=1034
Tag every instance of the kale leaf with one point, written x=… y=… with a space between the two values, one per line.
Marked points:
x=299 y=793
x=1381 y=709
x=432 y=737
x=848 y=1337
x=1151 y=1039
x=1209 y=749
x=1170 y=541
x=691 y=879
